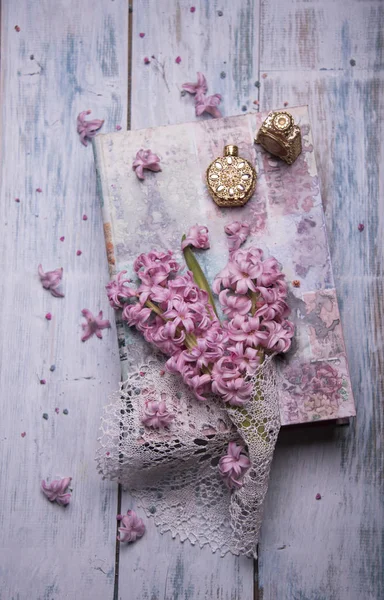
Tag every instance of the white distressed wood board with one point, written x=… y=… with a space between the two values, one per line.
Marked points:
x=67 y=57
x=329 y=55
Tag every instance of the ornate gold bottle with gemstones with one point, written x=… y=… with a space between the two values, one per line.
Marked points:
x=280 y=136
x=231 y=180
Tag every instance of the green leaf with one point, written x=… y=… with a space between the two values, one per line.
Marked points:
x=198 y=274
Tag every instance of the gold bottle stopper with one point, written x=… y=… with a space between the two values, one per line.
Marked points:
x=231 y=180
x=280 y=136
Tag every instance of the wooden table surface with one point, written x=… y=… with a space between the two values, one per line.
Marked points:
x=69 y=56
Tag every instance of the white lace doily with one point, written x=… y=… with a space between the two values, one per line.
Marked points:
x=173 y=472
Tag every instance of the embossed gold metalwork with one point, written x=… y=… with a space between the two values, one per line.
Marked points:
x=231 y=180
x=280 y=136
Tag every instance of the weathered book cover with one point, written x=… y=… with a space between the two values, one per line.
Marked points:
x=286 y=220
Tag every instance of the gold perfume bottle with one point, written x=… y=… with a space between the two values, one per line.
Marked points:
x=231 y=180
x=280 y=136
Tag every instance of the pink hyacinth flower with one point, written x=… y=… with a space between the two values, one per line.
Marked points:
x=234 y=465
x=145 y=159
x=279 y=335
x=132 y=527
x=55 y=491
x=197 y=237
x=94 y=325
x=209 y=105
x=51 y=280
x=157 y=415
x=237 y=233
x=243 y=274
x=199 y=88
x=248 y=330
x=87 y=129
x=233 y=304
x=246 y=358
x=117 y=290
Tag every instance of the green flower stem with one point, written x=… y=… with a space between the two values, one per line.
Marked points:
x=254 y=297
x=155 y=309
x=198 y=274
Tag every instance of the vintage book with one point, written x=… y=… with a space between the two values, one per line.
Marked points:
x=286 y=219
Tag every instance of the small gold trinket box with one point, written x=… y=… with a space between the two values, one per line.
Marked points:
x=280 y=136
x=231 y=179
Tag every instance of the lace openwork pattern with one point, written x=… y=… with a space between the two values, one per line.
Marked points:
x=173 y=472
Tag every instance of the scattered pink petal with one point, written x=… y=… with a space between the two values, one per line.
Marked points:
x=264 y=75
x=79 y=253
x=62 y=238
x=132 y=527
x=234 y=465
x=94 y=325
x=162 y=373
x=318 y=496
x=156 y=415
x=85 y=218
x=145 y=159
x=178 y=60
x=209 y=105
x=192 y=9
x=23 y=434
x=39 y=190
x=146 y=60
x=197 y=237
x=87 y=129
x=17 y=199
x=57 y=410
x=51 y=280
x=55 y=491
x=285 y=103
x=237 y=233
x=48 y=316
x=107 y=454
x=118 y=127
x=141 y=35
x=42 y=381
x=199 y=88
x=360 y=227
x=17 y=28
x=256 y=102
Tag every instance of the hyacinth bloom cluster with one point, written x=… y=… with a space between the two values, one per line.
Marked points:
x=176 y=316
x=233 y=465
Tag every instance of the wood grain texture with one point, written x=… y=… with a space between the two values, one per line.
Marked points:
x=65 y=58
x=219 y=39
x=225 y=49
x=332 y=549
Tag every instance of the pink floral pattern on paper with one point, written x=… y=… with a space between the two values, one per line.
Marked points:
x=292 y=189
x=312 y=391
